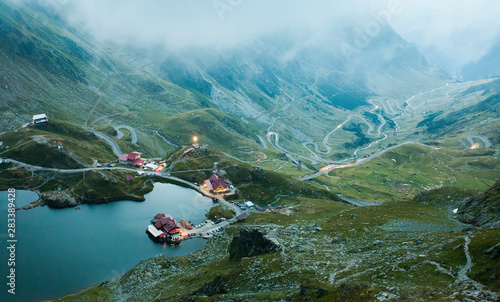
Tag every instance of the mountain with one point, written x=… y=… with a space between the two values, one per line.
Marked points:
x=331 y=134
x=51 y=67
x=465 y=115
x=488 y=66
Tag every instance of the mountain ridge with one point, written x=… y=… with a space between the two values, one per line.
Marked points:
x=250 y=82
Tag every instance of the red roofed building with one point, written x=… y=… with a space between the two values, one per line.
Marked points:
x=133 y=158
x=166 y=223
x=216 y=184
x=159 y=216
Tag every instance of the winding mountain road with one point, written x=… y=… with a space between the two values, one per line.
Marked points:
x=287 y=153
x=470 y=139
x=327 y=169
x=386 y=105
x=132 y=132
x=426 y=92
x=198 y=188
x=371 y=128
x=359 y=203
x=116 y=149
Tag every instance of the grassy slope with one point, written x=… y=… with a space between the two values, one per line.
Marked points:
x=33 y=145
x=409 y=170
x=347 y=236
x=115 y=97
x=111 y=90
x=343 y=261
x=259 y=185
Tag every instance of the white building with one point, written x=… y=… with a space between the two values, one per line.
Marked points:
x=151 y=166
x=249 y=204
x=39 y=119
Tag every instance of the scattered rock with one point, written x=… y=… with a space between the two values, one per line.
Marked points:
x=348 y=290
x=385 y=296
x=336 y=240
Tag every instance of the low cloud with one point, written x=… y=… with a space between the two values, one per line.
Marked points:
x=461 y=30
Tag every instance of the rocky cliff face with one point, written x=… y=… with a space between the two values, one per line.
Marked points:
x=59 y=199
x=483 y=210
x=252 y=243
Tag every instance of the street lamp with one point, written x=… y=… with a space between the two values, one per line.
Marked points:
x=195 y=142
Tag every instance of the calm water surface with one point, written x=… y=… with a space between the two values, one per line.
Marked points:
x=61 y=251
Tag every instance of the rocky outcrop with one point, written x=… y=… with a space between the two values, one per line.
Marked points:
x=215 y=287
x=494 y=252
x=252 y=243
x=59 y=199
x=482 y=210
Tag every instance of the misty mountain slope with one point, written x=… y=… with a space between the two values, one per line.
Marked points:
x=475 y=111
x=285 y=82
x=296 y=84
x=47 y=69
x=317 y=68
x=485 y=67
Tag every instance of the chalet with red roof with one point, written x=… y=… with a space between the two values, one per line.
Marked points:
x=167 y=224
x=164 y=228
x=133 y=159
x=216 y=184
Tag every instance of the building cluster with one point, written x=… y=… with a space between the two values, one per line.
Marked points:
x=216 y=185
x=165 y=228
x=133 y=159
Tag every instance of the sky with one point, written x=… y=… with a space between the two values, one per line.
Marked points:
x=460 y=31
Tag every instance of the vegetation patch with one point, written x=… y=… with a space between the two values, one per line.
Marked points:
x=219 y=212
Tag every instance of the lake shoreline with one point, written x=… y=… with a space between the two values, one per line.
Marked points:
x=86 y=242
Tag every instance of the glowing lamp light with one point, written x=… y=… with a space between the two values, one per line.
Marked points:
x=195 y=139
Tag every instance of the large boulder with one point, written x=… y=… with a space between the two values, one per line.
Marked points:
x=252 y=243
x=59 y=199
